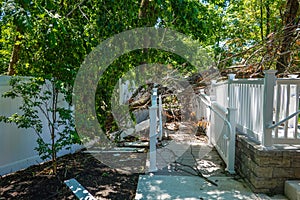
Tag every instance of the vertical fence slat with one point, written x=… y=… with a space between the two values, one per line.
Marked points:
x=248 y=106
x=262 y=89
x=287 y=111
x=296 y=108
x=254 y=109
x=243 y=105
x=278 y=96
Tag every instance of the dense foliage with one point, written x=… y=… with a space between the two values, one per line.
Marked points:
x=45 y=37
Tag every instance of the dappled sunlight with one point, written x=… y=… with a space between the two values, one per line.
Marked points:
x=190 y=187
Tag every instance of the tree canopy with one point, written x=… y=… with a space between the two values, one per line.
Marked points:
x=51 y=38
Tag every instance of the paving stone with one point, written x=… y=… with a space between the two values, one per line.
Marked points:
x=283 y=173
x=292 y=190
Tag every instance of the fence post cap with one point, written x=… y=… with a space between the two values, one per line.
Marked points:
x=293 y=75
x=231 y=76
x=270 y=71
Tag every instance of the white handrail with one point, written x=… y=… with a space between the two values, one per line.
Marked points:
x=227 y=137
x=220 y=83
x=220 y=107
x=247 y=81
x=204 y=99
x=215 y=111
x=288 y=81
x=227 y=152
x=284 y=120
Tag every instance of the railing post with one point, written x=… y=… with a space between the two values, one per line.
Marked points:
x=212 y=114
x=269 y=83
x=153 y=131
x=121 y=93
x=230 y=96
x=160 y=117
x=231 y=147
x=213 y=90
x=232 y=119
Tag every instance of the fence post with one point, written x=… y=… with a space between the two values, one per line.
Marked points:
x=230 y=96
x=269 y=83
x=153 y=131
x=212 y=114
x=121 y=97
x=232 y=120
x=213 y=90
x=160 y=117
x=231 y=147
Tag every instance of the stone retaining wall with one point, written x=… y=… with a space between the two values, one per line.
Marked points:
x=266 y=170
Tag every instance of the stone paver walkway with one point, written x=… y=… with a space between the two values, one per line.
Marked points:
x=175 y=178
x=186 y=151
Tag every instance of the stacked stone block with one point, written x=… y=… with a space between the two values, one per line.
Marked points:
x=266 y=170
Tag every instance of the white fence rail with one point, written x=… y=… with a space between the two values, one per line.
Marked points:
x=221 y=131
x=247 y=97
x=16 y=144
x=286 y=103
x=267 y=109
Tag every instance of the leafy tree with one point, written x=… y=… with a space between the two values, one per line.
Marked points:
x=17 y=16
x=291 y=22
x=259 y=34
x=44 y=52
x=43 y=99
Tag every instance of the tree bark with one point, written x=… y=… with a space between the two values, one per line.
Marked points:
x=53 y=131
x=268 y=16
x=261 y=21
x=143 y=9
x=14 y=55
x=290 y=21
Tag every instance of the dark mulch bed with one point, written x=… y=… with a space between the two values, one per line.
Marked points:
x=37 y=182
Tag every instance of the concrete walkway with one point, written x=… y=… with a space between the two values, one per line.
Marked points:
x=178 y=163
x=190 y=187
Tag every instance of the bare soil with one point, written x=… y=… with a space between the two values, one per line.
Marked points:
x=36 y=182
x=103 y=182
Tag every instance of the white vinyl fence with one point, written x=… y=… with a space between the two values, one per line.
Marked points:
x=267 y=109
x=16 y=144
x=247 y=97
x=126 y=90
x=286 y=104
x=221 y=131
